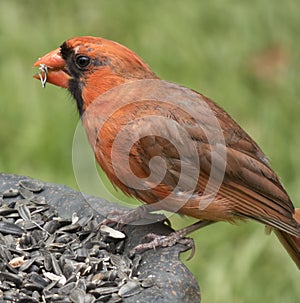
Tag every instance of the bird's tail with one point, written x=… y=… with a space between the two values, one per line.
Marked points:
x=291 y=243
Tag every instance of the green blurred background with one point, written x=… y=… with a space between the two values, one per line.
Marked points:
x=243 y=54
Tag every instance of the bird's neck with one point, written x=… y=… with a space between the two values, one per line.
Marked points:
x=96 y=86
x=103 y=81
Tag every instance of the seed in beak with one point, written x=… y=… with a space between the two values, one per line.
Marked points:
x=43 y=74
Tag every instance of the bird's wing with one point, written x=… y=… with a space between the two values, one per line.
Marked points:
x=172 y=133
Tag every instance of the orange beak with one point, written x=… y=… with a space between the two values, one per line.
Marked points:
x=56 y=69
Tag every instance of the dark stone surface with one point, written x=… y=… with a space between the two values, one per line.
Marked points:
x=174 y=282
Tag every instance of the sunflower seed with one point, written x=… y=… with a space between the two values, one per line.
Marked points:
x=51 y=226
x=27 y=264
x=67 y=289
x=43 y=74
x=11 y=192
x=110 y=275
x=26 y=194
x=135 y=265
x=40 y=200
x=113 y=233
x=77 y=295
x=105 y=290
x=148 y=282
x=83 y=221
x=6 y=276
x=56 y=259
x=89 y=298
x=31 y=185
x=120 y=247
x=24 y=212
x=5 y=210
x=11 y=228
x=33 y=287
x=27 y=299
x=132 y=287
x=115 y=298
x=17 y=262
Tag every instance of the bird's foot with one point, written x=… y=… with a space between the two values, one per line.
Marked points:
x=166 y=241
x=175 y=237
x=121 y=217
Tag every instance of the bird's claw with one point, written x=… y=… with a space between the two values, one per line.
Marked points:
x=166 y=241
x=121 y=217
x=116 y=217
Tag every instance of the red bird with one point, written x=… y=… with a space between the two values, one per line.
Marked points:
x=167 y=145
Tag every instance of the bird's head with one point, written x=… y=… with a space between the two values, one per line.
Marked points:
x=89 y=66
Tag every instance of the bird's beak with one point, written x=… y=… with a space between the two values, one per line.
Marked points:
x=53 y=69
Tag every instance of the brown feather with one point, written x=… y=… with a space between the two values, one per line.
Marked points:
x=177 y=147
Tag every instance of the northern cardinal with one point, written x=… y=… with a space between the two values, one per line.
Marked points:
x=168 y=145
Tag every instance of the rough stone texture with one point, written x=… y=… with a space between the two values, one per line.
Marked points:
x=174 y=282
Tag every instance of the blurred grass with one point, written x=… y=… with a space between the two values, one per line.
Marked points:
x=243 y=54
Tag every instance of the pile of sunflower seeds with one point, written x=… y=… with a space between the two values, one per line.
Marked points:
x=46 y=258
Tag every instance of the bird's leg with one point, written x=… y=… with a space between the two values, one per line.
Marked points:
x=126 y=217
x=178 y=236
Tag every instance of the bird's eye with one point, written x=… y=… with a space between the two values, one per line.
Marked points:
x=82 y=61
